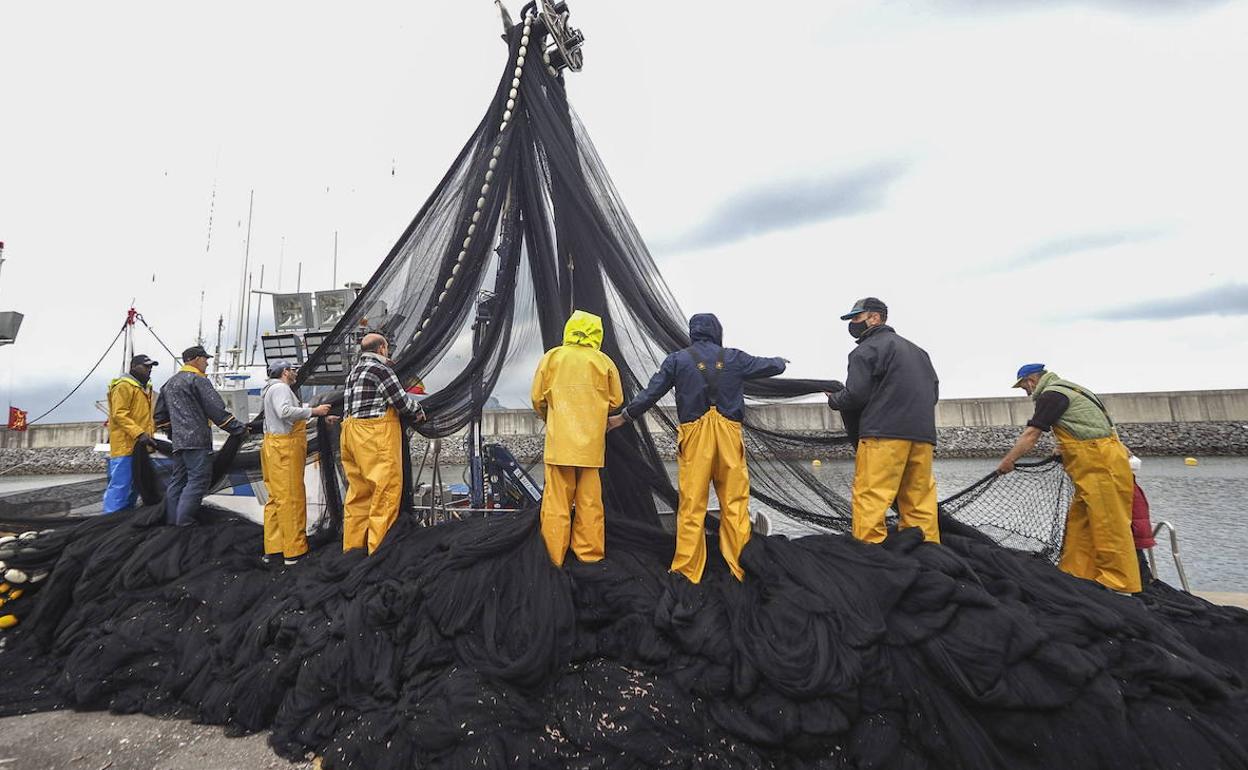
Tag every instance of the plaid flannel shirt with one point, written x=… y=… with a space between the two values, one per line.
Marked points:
x=373 y=386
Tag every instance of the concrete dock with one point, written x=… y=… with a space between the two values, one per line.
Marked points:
x=1226 y=598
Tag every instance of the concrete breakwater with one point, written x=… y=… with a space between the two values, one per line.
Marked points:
x=1176 y=408
x=1145 y=439
x=1197 y=422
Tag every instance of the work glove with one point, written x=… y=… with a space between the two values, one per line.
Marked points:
x=835 y=386
x=147 y=442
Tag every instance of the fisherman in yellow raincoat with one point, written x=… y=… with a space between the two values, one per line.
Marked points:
x=372 y=445
x=130 y=422
x=283 y=455
x=1098 y=543
x=710 y=403
x=576 y=386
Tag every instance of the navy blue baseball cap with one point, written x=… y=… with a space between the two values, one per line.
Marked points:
x=1026 y=370
x=865 y=304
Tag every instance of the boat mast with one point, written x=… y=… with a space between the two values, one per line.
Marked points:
x=243 y=304
x=255 y=336
x=216 y=353
x=199 y=336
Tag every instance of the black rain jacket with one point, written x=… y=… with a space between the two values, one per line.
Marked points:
x=892 y=388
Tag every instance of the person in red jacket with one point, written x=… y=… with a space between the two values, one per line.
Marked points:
x=1141 y=526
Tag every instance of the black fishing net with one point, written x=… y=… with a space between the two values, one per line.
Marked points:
x=460 y=645
x=528 y=214
x=1027 y=511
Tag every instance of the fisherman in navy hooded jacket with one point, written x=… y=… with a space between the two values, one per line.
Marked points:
x=710 y=404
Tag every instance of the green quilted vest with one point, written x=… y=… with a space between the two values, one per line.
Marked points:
x=1085 y=418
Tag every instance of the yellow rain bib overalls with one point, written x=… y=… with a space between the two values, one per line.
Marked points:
x=711 y=451
x=282 y=460
x=372 y=449
x=1097 y=544
x=888 y=470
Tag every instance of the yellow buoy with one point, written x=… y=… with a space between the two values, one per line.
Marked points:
x=17 y=594
x=1189 y=461
x=8 y=621
x=816 y=463
x=4 y=587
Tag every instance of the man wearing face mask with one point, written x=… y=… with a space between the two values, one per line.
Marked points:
x=891 y=392
x=1097 y=544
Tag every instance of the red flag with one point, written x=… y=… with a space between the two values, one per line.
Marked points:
x=17 y=419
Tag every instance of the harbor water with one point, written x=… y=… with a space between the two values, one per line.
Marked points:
x=1206 y=503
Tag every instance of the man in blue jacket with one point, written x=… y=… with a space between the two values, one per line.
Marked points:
x=188 y=407
x=892 y=390
x=710 y=403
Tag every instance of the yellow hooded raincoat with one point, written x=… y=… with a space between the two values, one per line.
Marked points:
x=574 y=389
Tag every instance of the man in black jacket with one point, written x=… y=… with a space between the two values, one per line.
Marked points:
x=891 y=392
x=187 y=404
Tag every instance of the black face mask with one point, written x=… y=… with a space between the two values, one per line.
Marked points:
x=857 y=329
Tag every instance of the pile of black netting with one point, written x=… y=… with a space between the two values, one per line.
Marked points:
x=462 y=646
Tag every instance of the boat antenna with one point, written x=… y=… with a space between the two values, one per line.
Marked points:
x=212 y=205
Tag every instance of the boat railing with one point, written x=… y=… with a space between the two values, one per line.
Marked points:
x=1174 y=551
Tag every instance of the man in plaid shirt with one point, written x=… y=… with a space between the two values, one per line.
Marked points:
x=372 y=445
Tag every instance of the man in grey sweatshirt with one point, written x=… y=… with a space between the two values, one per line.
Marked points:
x=283 y=455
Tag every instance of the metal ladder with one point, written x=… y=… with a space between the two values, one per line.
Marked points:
x=1174 y=551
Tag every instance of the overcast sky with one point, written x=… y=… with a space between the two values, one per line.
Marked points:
x=1062 y=182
